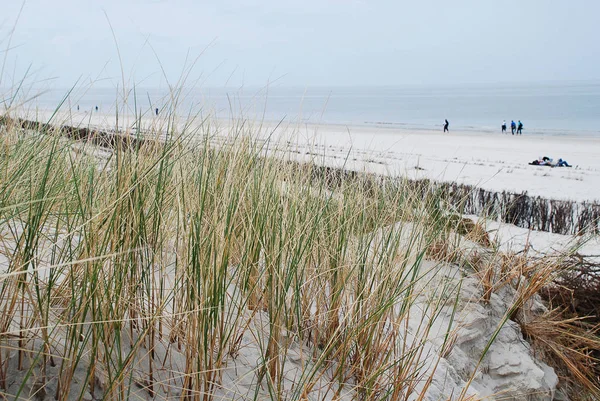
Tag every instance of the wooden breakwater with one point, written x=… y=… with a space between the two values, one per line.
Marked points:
x=522 y=210
x=104 y=138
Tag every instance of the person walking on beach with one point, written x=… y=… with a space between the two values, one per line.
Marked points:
x=513 y=126
x=96 y=108
x=446 y=125
x=504 y=126
x=156 y=111
x=520 y=128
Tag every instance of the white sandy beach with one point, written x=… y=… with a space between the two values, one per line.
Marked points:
x=491 y=161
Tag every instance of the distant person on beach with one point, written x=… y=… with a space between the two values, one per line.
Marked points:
x=520 y=128
x=563 y=163
x=96 y=108
x=446 y=125
x=156 y=111
x=504 y=127
x=513 y=126
x=543 y=161
x=77 y=107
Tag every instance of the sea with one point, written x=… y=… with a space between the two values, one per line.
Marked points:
x=555 y=108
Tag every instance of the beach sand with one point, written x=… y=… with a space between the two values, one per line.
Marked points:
x=495 y=162
x=492 y=161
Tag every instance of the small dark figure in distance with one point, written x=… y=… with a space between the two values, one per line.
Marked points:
x=513 y=126
x=504 y=127
x=446 y=125
x=156 y=111
x=520 y=128
x=96 y=108
x=543 y=161
x=77 y=107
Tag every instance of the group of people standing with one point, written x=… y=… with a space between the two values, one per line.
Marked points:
x=518 y=127
x=513 y=127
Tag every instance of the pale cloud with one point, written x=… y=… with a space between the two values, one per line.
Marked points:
x=311 y=42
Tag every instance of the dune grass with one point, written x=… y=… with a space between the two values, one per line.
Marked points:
x=149 y=268
x=154 y=271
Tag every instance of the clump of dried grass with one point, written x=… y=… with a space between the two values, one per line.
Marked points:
x=473 y=231
x=569 y=333
x=444 y=251
x=577 y=288
x=570 y=345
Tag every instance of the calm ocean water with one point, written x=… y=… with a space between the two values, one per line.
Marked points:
x=552 y=108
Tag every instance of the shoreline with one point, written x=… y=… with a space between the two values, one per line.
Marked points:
x=409 y=126
x=478 y=129
x=546 y=108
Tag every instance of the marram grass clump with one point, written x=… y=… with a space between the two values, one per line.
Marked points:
x=149 y=271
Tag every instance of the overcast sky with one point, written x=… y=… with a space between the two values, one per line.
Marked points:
x=308 y=42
